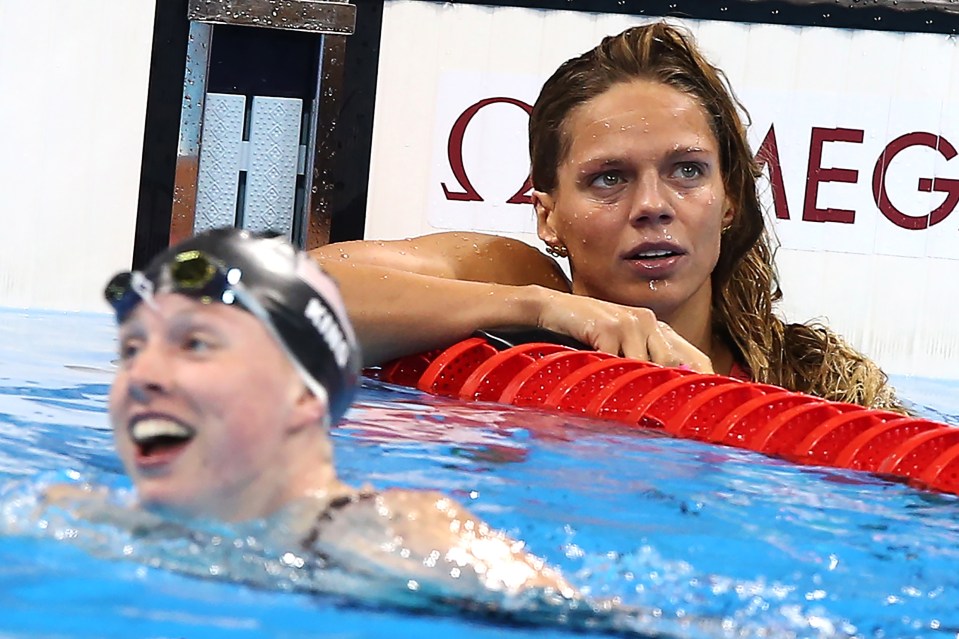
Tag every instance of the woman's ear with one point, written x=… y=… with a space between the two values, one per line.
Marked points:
x=308 y=410
x=544 y=203
x=730 y=213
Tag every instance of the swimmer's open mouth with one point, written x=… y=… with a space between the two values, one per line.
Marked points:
x=652 y=255
x=652 y=252
x=154 y=435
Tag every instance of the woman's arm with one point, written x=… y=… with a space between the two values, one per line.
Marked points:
x=410 y=296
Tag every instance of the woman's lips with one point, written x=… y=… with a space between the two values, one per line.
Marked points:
x=655 y=262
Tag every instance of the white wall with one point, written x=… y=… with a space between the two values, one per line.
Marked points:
x=893 y=292
x=73 y=85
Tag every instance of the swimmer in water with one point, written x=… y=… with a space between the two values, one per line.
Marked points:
x=236 y=357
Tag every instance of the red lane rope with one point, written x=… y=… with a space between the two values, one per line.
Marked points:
x=710 y=408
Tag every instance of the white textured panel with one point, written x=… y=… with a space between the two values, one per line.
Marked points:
x=220 y=153
x=271 y=179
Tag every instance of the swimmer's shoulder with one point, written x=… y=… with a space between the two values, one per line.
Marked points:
x=436 y=522
x=425 y=506
x=492 y=258
x=426 y=535
x=424 y=514
x=477 y=257
x=367 y=523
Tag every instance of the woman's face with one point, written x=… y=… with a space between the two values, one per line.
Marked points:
x=202 y=409
x=639 y=202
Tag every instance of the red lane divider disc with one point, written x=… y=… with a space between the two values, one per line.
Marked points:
x=656 y=407
x=869 y=449
x=943 y=473
x=826 y=441
x=781 y=434
x=489 y=379
x=533 y=384
x=619 y=397
x=742 y=424
x=701 y=414
x=576 y=390
x=404 y=371
x=912 y=456
x=446 y=374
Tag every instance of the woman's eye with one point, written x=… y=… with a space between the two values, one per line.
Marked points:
x=607 y=180
x=129 y=349
x=196 y=344
x=689 y=171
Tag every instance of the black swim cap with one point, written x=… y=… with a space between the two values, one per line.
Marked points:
x=301 y=302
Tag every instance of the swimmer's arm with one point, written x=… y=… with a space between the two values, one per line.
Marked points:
x=415 y=295
x=410 y=296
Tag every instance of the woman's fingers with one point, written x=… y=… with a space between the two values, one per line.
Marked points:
x=667 y=347
x=621 y=330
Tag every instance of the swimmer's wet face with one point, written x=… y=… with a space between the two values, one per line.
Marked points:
x=207 y=418
x=640 y=201
x=281 y=286
x=205 y=409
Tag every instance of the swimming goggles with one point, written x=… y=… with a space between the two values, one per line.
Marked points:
x=190 y=273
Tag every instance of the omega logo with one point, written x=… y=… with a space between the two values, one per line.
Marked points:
x=768 y=157
x=454 y=151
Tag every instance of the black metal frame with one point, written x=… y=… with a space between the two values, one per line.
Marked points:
x=931 y=16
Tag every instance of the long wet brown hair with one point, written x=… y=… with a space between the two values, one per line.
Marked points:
x=803 y=357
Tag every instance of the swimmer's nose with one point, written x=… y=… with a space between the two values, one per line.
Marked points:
x=148 y=373
x=650 y=204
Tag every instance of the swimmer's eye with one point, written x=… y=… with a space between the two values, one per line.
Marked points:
x=689 y=171
x=128 y=349
x=197 y=344
x=607 y=180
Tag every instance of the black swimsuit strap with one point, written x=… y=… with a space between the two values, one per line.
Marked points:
x=326 y=515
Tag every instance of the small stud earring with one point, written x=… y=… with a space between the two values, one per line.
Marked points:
x=726 y=228
x=557 y=251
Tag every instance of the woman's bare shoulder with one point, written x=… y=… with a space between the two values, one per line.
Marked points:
x=419 y=500
x=462 y=255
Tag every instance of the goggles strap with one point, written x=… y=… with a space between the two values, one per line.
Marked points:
x=143 y=287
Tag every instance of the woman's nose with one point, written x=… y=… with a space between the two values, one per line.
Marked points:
x=148 y=372
x=651 y=204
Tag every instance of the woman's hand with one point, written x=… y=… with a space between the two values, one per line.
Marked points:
x=619 y=330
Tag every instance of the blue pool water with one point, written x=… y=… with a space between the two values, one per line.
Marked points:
x=679 y=530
